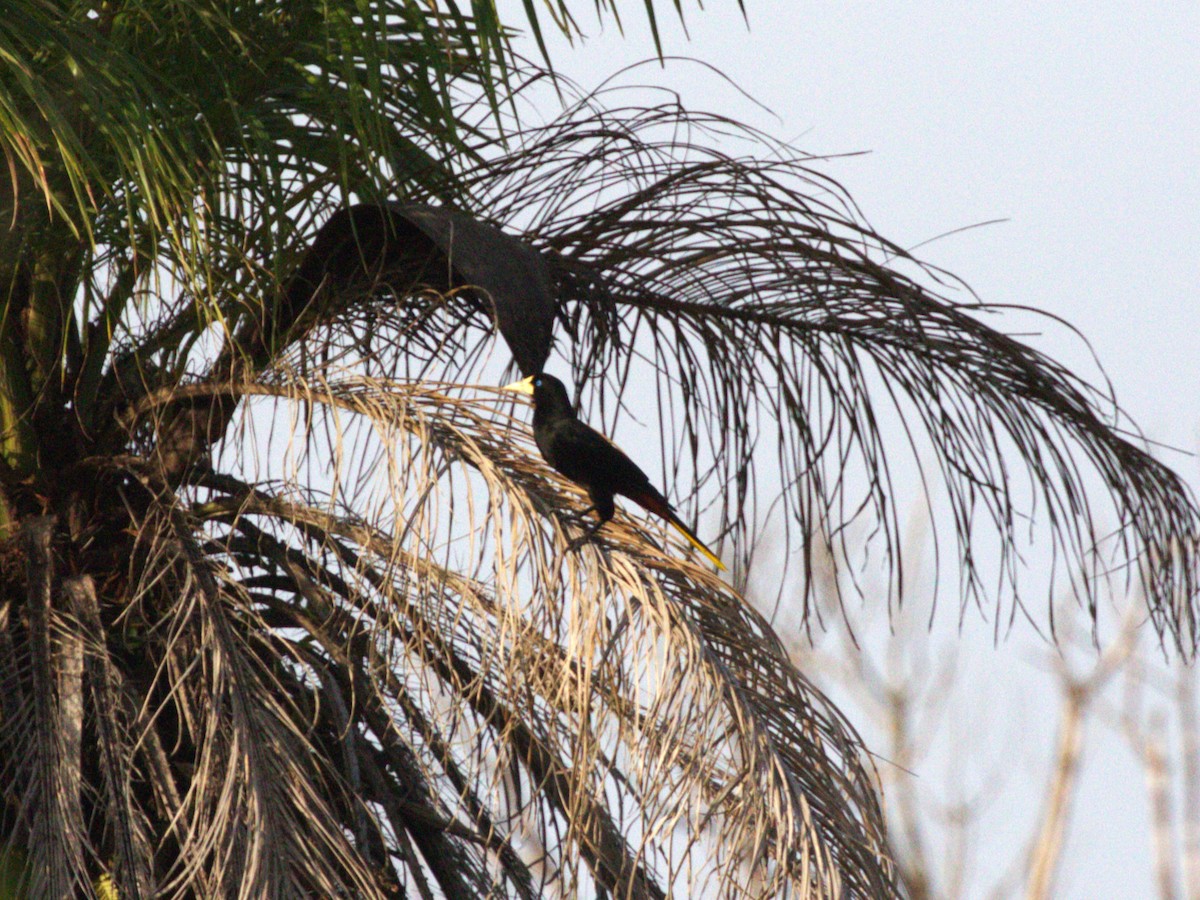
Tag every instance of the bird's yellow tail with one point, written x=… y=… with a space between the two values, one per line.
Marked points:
x=696 y=542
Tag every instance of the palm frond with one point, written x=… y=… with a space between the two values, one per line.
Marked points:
x=143 y=196
x=115 y=740
x=748 y=292
x=696 y=719
x=42 y=734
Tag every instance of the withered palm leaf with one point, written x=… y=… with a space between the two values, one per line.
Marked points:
x=627 y=714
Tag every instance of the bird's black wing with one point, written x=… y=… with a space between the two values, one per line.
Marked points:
x=590 y=459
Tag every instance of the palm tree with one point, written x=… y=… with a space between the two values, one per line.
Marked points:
x=285 y=606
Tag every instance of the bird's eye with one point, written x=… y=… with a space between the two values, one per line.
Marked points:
x=537 y=382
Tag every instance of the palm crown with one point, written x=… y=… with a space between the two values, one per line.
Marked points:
x=284 y=608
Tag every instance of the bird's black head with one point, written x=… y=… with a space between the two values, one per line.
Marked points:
x=549 y=390
x=550 y=396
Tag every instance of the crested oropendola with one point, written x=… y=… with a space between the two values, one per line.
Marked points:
x=591 y=460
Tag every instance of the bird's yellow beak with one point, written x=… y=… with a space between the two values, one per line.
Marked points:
x=524 y=386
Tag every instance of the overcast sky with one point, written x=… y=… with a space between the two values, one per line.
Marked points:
x=1076 y=123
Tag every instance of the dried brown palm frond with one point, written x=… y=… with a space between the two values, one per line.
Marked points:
x=203 y=778
x=401 y=684
x=626 y=713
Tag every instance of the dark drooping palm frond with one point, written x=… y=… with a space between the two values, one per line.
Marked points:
x=747 y=290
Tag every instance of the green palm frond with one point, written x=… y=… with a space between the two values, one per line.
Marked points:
x=162 y=155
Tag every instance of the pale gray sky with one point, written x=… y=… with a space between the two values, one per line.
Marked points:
x=1076 y=122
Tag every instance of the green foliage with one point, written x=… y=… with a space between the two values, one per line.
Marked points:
x=161 y=154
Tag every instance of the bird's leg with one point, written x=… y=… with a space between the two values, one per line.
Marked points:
x=602 y=506
x=585 y=537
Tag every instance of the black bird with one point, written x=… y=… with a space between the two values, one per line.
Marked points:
x=591 y=460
